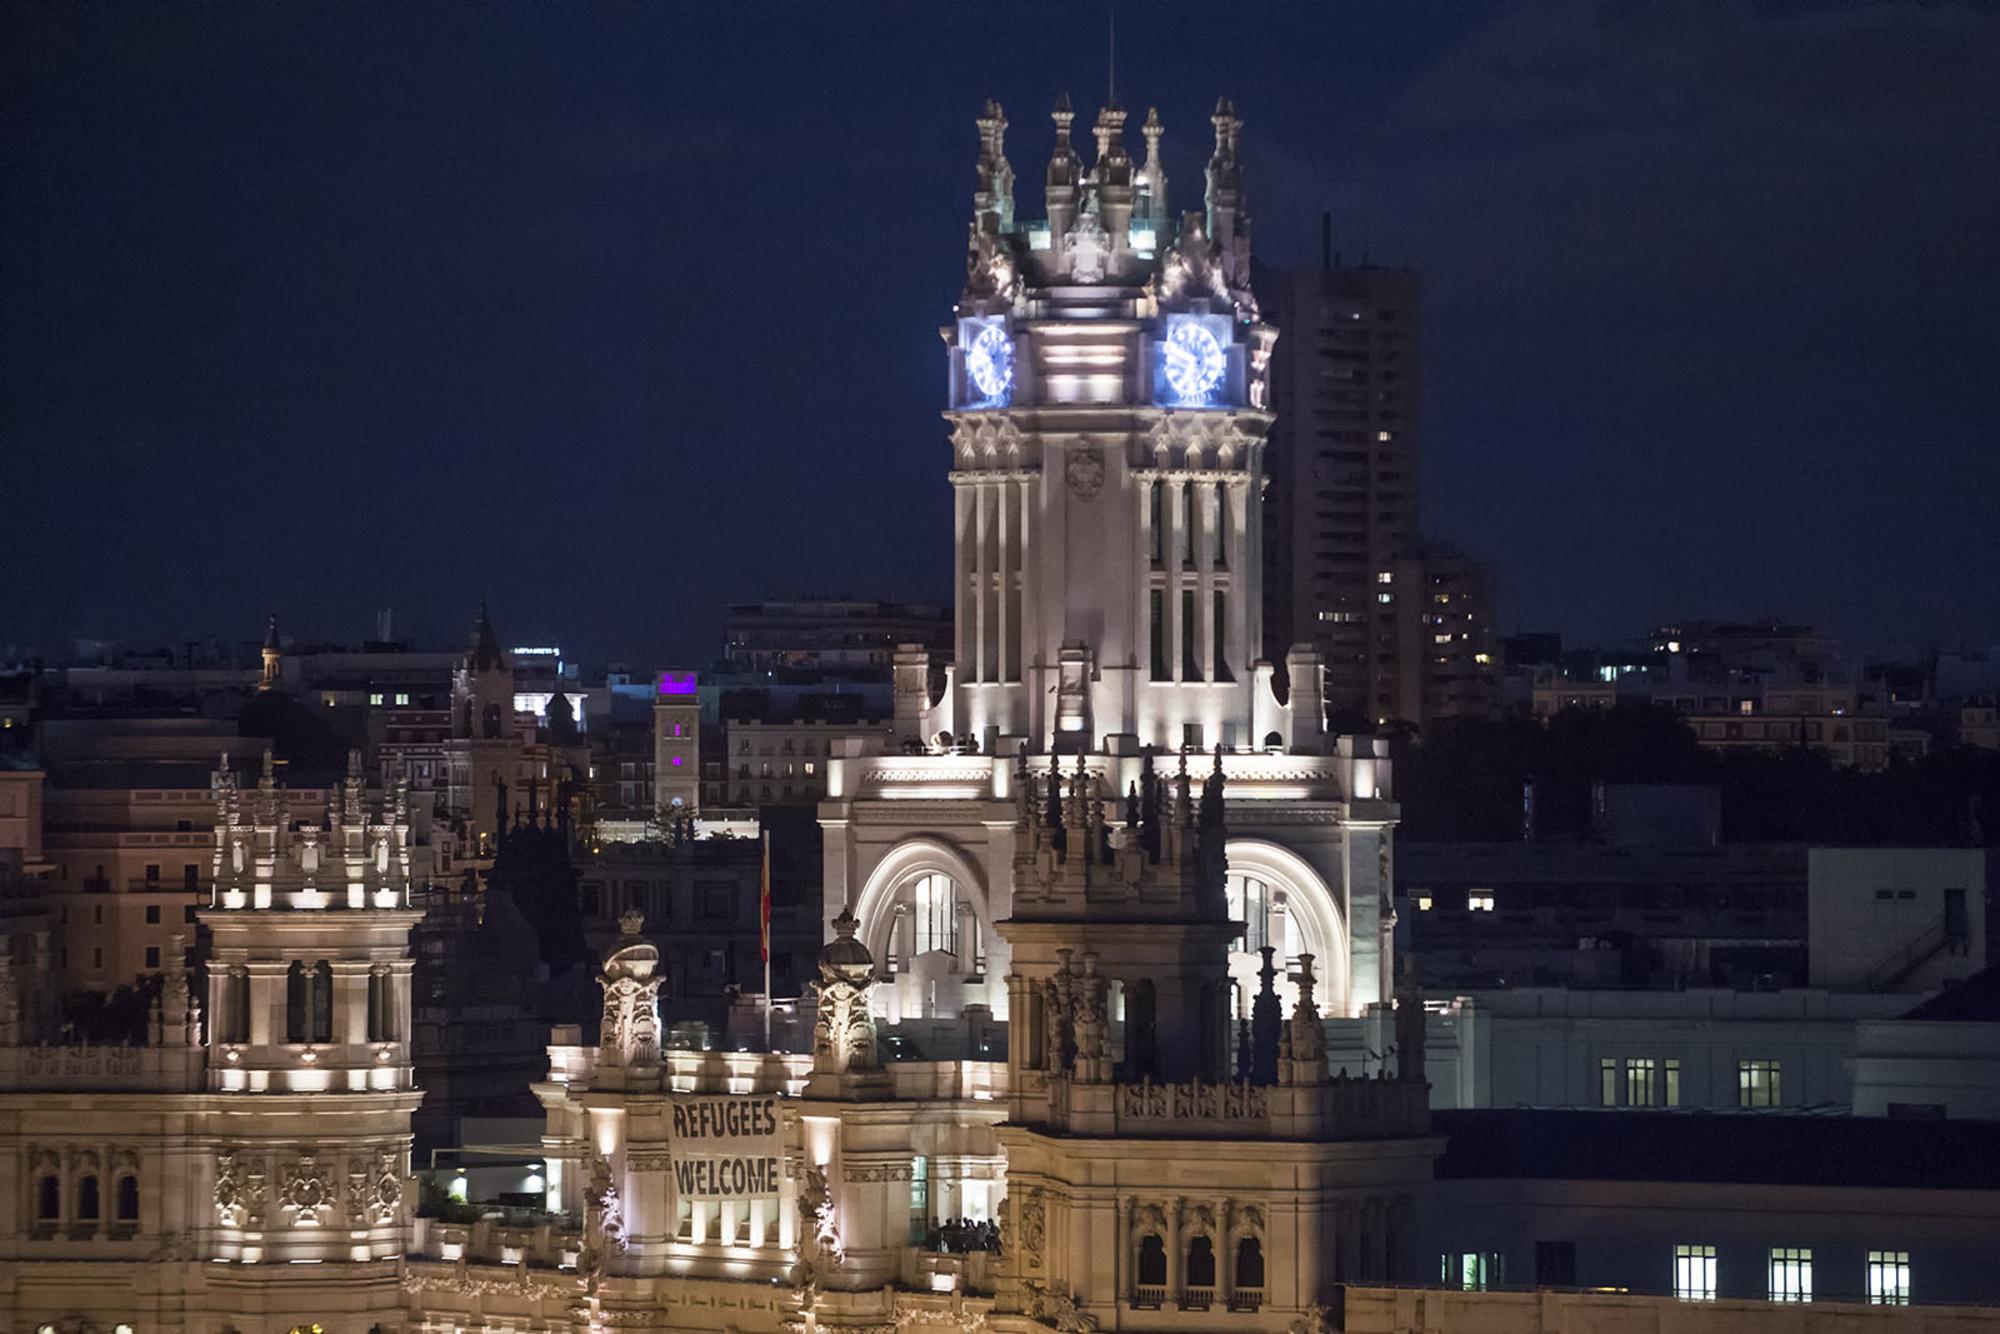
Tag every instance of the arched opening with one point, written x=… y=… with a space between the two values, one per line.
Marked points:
x=87 y=1203
x=1284 y=902
x=1200 y=1283
x=48 y=1199
x=1152 y=1272
x=1249 y=1263
x=128 y=1199
x=924 y=918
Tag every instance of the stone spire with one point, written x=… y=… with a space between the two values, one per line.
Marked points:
x=1228 y=215
x=1225 y=173
x=1150 y=181
x=1111 y=177
x=995 y=194
x=273 y=656
x=1065 y=172
x=486 y=655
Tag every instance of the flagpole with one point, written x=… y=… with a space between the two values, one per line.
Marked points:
x=764 y=935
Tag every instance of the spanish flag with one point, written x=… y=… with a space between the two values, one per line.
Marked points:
x=764 y=914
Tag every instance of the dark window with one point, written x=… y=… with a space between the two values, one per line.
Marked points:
x=86 y=1197
x=128 y=1199
x=1158 y=631
x=1190 y=668
x=1555 y=1264
x=152 y=914
x=152 y=956
x=295 y=1002
x=1201 y=1263
x=322 y=1009
x=1249 y=1263
x=1153 y=1262
x=190 y=876
x=48 y=1198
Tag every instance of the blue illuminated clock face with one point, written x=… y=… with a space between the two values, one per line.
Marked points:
x=1192 y=361
x=989 y=363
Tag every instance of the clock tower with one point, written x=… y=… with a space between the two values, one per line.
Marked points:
x=1108 y=401
x=1109 y=405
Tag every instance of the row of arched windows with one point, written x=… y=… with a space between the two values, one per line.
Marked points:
x=1198 y=1271
x=86 y=1200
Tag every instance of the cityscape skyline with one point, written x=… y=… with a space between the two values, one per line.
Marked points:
x=450 y=267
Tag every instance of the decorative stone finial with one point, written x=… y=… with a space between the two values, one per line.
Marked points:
x=630 y=921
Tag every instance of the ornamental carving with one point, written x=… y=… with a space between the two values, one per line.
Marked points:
x=604 y=1214
x=864 y=1173
x=386 y=1206
x=239 y=1192
x=1195 y=1100
x=1033 y=1227
x=821 y=1251
x=466 y=1284
x=1058 y=1310
x=1085 y=471
x=357 y=1192
x=988 y=440
x=306 y=1192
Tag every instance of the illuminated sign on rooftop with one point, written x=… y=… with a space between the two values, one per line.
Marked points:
x=677 y=683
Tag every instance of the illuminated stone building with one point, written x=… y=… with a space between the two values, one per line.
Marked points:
x=252 y=1173
x=1109 y=406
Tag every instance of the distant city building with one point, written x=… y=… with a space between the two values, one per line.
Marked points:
x=1762 y=686
x=830 y=634
x=1407 y=626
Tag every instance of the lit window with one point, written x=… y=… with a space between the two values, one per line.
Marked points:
x=1673 y=1072
x=1423 y=898
x=811 y=768
x=1607 y=1082
x=1471 y=1271
x=1746 y=706
x=1479 y=900
x=1639 y=1081
x=1757 y=1084
x=936 y=912
x=327 y=699
x=375 y=699
x=1441 y=639
x=1791 y=1274
x=1694 y=1273
x=1482 y=658
x=1385 y=597
x=1889 y=1278
x=1385 y=576
x=402 y=700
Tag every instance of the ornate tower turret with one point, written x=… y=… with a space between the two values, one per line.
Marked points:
x=309 y=1023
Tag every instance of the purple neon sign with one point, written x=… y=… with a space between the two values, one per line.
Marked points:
x=676 y=683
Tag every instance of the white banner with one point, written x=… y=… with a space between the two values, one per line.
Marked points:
x=725 y=1147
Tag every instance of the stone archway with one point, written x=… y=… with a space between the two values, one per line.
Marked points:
x=891 y=886
x=1314 y=920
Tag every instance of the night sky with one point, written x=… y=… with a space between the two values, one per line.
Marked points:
x=618 y=313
